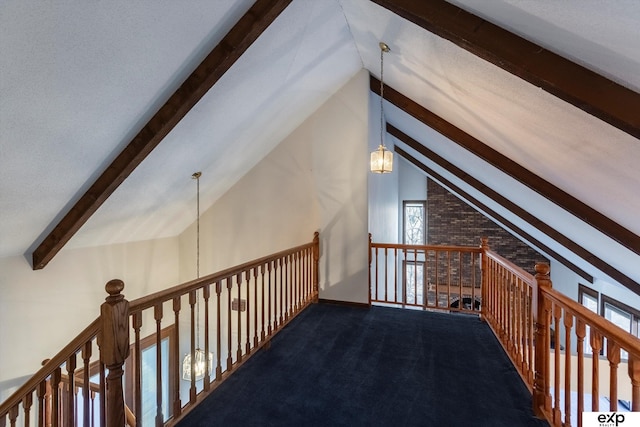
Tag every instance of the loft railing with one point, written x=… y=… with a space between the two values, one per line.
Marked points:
x=427 y=277
x=569 y=357
x=589 y=358
x=242 y=308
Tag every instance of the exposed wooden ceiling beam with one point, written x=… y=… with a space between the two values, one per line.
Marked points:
x=586 y=213
x=511 y=207
x=211 y=69
x=585 y=89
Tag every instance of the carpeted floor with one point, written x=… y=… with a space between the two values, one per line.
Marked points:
x=347 y=366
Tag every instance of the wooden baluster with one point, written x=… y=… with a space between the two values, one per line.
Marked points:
x=282 y=303
x=93 y=410
x=634 y=374
x=70 y=409
x=296 y=281
x=377 y=274
x=395 y=274
x=386 y=263
x=371 y=296
x=206 y=294
x=13 y=416
x=316 y=265
x=596 y=345
x=41 y=394
x=541 y=396
x=461 y=303
x=55 y=397
x=248 y=311
x=157 y=315
x=218 y=332
x=580 y=334
x=137 y=367
x=484 y=280
x=289 y=288
x=102 y=397
x=229 y=344
x=568 y=325
x=86 y=375
x=175 y=347
x=613 y=355
x=436 y=263
x=269 y=293
x=448 y=279
x=262 y=311
x=255 y=317
x=27 y=402
x=415 y=276
x=192 y=328
x=557 y=413
x=239 y=350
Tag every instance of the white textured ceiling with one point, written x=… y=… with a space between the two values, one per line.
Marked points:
x=79 y=79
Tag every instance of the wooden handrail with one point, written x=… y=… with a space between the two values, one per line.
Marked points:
x=627 y=341
x=514 y=269
x=151 y=300
x=88 y=334
x=442 y=248
x=283 y=297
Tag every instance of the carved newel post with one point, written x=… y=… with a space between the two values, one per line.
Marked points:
x=541 y=395
x=113 y=341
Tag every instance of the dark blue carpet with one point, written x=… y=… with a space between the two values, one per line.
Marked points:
x=347 y=366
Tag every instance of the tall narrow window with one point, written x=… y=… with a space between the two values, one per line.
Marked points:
x=412 y=284
x=414 y=222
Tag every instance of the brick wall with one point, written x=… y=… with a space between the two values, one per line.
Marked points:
x=450 y=221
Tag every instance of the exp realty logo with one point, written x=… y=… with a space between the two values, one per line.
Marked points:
x=610 y=419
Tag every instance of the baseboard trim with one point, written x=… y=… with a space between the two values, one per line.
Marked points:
x=347 y=303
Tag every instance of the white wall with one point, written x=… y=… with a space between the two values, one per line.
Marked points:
x=42 y=311
x=383 y=188
x=315 y=180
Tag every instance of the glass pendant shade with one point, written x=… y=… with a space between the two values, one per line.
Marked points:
x=382 y=160
x=199 y=365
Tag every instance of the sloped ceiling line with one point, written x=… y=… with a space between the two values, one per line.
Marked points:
x=209 y=71
x=573 y=83
x=529 y=239
x=586 y=213
x=513 y=208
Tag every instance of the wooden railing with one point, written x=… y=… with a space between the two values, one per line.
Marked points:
x=508 y=307
x=427 y=277
x=242 y=308
x=568 y=356
x=565 y=374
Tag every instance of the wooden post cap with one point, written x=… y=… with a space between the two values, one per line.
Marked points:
x=542 y=268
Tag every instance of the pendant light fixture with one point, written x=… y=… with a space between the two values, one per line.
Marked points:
x=198 y=360
x=382 y=159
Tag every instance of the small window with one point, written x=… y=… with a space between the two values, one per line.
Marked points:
x=621 y=315
x=414 y=222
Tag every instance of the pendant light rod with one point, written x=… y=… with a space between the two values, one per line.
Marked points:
x=382 y=159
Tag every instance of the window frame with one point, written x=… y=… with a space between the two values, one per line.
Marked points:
x=424 y=219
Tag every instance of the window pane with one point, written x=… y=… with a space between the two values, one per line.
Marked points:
x=414 y=274
x=414 y=229
x=149 y=382
x=591 y=303
x=619 y=318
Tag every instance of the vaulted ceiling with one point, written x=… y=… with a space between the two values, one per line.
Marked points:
x=79 y=81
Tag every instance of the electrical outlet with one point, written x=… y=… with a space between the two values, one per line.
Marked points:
x=239 y=304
